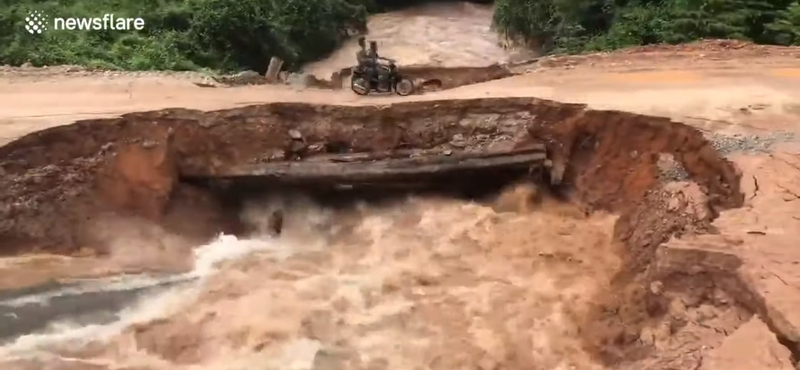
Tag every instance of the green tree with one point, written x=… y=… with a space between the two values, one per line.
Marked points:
x=244 y=34
x=785 y=29
x=580 y=25
x=635 y=24
x=530 y=21
x=184 y=34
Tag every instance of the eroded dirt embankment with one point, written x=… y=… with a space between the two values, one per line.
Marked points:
x=58 y=180
x=62 y=184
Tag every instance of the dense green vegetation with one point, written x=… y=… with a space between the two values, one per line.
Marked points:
x=244 y=34
x=588 y=25
x=182 y=34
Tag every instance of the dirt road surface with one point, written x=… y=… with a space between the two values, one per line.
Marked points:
x=721 y=89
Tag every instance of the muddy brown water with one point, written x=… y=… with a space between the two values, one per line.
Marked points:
x=427 y=256
x=423 y=275
x=447 y=34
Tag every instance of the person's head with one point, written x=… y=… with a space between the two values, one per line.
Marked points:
x=362 y=42
x=373 y=45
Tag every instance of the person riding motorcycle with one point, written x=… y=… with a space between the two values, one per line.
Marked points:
x=381 y=70
x=373 y=70
x=365 y=61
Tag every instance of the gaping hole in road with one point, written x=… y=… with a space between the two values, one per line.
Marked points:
x=557 y=262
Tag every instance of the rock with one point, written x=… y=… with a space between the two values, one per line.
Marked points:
x=674 y=204
x=677 y=309
x=458 y=144
x=206 y=122
x=647 y=336
x=720 y=297
x=657 y=287
x=662 y=332
x=248 y=75
x=705 y=312
x=295 y=134
x=752 y=346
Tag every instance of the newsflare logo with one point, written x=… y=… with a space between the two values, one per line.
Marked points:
x=37 y=22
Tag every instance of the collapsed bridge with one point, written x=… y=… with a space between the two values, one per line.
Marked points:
x=158 y=165
x=410 y=170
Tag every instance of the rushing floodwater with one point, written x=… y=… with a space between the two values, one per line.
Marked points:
x=426 y=283
x=103 y=306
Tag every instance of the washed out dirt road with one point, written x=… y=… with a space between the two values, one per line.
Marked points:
x=745 y=99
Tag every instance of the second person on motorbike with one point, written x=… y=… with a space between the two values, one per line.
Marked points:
x=380 y=71
x=363 y=57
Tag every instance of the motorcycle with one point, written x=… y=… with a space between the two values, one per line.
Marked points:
x=361 y=84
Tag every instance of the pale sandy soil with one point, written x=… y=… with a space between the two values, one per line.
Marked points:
x=709 y=93
x=747 y=94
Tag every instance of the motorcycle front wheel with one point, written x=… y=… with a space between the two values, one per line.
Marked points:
x=360 y=85
x=403 y=87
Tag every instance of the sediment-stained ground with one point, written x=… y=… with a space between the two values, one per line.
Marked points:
x=690 y=254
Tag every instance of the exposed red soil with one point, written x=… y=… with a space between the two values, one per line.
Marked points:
x=608 y=160
x=612 y=157
x=142 y=155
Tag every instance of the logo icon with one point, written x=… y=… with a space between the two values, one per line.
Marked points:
x=36 y=22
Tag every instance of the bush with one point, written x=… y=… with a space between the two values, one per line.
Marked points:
x=245 y=34
x=785 y=29
x=183 y=34
x=530 y=21
x=581 y=25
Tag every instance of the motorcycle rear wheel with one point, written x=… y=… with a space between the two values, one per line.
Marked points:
x=360 y=85
x=403 y=87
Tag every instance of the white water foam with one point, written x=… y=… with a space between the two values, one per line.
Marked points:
x=207 y=257
x=111 y=284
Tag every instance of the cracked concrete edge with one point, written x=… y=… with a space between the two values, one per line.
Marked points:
x=752 y=346
x=775 y=315
x=693 y=257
